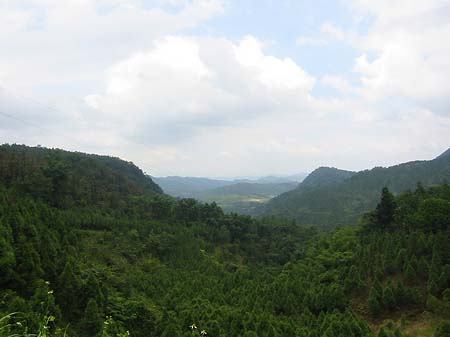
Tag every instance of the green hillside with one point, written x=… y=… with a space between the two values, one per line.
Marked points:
x=148 y=265
x=67 y=179
x=334 y=197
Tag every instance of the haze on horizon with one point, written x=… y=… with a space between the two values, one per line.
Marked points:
x=224 y=88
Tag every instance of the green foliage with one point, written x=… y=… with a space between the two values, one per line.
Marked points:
x=330 y=197
x=374 y=302
x=385 y=210
x=152 y=265
x=443 y=330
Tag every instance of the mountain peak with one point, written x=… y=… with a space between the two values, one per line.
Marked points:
x=325 y=176
x=446 y=153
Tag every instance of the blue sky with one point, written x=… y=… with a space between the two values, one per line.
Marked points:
x=282 y=23
x=229 y=88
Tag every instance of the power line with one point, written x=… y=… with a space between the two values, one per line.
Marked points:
x=47 y=107
x=26 y=122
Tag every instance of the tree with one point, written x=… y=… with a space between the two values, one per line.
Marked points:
x=374 y=302
x=422 y=267
x=388 y=298
x=385 y=209
x=92 y=319
x=410 y=273
x=7 y=256
x=69 y=290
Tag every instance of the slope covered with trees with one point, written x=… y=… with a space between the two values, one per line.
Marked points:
x=68 y=179
x=344 y=196
x=156 y=266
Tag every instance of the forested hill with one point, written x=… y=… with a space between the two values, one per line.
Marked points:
x=325 y=176
x=143 y=264
x=67 y=179
x=344 y=196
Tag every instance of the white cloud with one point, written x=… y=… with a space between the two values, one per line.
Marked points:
x=184 y=104
x=179 y=86
x=52 y=42
x=272 y=72
x=406 y=51
x=338 y=82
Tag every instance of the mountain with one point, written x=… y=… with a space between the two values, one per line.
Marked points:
x=135 y=262
x=238 y=195
x=187 y=187
x=275 y=179
x=67 y=178
x=444 y=154
x=334 y=197
x=325 y=176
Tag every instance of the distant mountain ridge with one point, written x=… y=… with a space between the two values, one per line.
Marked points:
x=329 y=196
x=239 y=195
x=244 y=197
x=187 y=187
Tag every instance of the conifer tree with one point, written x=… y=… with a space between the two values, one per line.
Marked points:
x=422 y=267
x=410 y=272
x=92 y=319
x=69 y=289
x=388 y=298
x=374 y=302
x=385 y=209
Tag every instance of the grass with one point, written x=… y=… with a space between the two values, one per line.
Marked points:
x=423 y=326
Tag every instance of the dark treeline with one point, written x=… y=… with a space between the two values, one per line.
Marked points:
x=137 y=262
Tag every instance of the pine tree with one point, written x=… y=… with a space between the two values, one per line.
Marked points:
x=385 y=209
x=413 y=262
x=432 y=285
x=7 y=255
x=388 y=298
x=400 y=259
x=410 y=273
x=92 y=319
x=422 y=267
x=400 y=293
x=69 y=290
x=374 y=302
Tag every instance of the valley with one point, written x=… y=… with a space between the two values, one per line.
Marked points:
x=86 y=237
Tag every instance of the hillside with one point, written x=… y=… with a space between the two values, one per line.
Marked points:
x=158 y=266
x=67 y=179
x=324 y=176
x=336 y=197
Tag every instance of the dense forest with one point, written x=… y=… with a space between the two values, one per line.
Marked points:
x=90 y=246
x=331 y=197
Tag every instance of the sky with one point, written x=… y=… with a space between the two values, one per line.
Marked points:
x=226 y=88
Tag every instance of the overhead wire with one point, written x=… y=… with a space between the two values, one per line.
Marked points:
x=47 y=107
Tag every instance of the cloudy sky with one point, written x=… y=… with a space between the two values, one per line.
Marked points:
x=228 y=87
